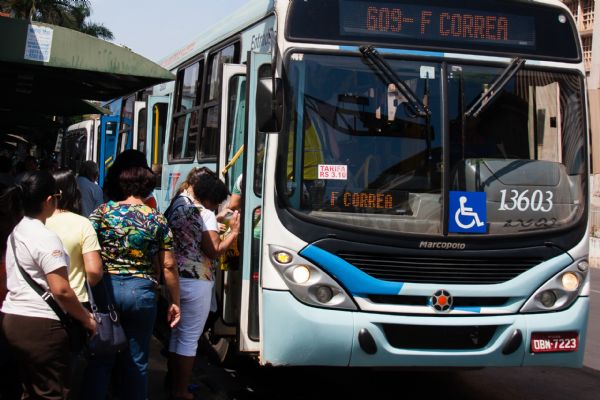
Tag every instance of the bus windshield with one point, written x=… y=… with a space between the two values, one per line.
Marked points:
x=359 y=154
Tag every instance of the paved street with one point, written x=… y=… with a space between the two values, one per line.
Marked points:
x=252 y=383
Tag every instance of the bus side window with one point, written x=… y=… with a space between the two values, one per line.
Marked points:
x=209 y=141
x=141 y=131
x=159 y=123
x=126 y=123
x=185 y=117
x=235 y=127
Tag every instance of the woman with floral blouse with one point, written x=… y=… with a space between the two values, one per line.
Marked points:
x=133 y=238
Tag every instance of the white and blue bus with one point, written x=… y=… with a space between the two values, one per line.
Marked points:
x=102 y=138
x=80 y=143
x=415 y=186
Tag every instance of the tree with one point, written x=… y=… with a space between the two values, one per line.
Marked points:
x=68 y=13
x=82 y=12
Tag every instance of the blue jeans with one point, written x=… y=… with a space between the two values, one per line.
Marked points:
x=135 y=301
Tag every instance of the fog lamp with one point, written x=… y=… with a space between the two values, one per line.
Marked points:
x=583 y=266
x=324 y=294
x=283 y=258
x=301 y=274
x=570 y=281
x=548 y=298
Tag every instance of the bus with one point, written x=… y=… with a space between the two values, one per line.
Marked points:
x=415 y=179
x=80 y=143
x=104 y=137
x=120 y=130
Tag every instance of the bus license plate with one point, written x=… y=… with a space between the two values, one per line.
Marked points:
x=554 y=342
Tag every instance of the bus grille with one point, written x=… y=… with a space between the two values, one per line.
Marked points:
x=440 y=270
x=424 y=300
x=438 y=337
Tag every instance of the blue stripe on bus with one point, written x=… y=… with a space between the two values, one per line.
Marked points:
x=476 y=310
x=398 y=51
x=354 y=280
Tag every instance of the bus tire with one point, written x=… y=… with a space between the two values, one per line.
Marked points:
x=216 y=348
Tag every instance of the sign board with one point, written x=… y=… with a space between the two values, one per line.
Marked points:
x=38 y=46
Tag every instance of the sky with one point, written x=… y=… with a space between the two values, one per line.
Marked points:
x=156 y=29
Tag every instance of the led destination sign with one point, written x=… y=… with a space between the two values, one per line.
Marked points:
x=435 y=23
x=372 y=201
x=508 y=28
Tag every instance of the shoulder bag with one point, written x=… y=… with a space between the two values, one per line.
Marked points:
x=110 y=337
x=75 y=331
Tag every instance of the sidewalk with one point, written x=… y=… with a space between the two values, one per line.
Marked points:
x=213 y=382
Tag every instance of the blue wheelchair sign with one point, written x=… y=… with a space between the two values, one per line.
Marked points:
x=468 y=212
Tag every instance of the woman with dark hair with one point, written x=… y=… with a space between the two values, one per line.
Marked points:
x=112 y=186
x=10 y=200
x=133 y=238
x=32 y=329
x=191 y=179
x=197 y=243
x=77 y=234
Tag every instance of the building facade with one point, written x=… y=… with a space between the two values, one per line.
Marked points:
x=584 y=13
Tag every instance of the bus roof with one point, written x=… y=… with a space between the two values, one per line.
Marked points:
x=85 y=124
x=244 y=16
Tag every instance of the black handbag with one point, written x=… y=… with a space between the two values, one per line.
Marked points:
x=75 y=331
x=110 y=337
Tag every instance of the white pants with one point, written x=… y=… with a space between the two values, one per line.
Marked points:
x=195 y=299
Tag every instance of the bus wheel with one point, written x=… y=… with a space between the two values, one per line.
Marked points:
x=216 y=348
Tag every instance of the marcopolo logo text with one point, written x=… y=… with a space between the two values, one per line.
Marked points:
x=442 y=245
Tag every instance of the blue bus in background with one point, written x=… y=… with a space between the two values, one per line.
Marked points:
x=102 y=138
x=120 y=130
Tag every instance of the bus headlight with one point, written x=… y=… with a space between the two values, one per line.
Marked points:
x=324 y=294
x=570 y=281
x=560 y=291
x=301 y=274
x=307 y=282
x=547 y=298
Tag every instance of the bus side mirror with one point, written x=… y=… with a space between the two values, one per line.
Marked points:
x=269 y=105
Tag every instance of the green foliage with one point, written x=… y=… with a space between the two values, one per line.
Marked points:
x=70 y=14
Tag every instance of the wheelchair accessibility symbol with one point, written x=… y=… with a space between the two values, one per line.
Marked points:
x=467 y=212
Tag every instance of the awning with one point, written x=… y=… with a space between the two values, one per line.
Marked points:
x=47 y=70
x=41 y=59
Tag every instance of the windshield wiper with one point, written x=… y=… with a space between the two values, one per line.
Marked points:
x=488 y=96
x=378 y=62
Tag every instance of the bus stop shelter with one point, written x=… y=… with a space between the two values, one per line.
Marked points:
x=48 y=71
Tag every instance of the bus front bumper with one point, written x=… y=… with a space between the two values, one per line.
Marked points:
x=297 y=334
